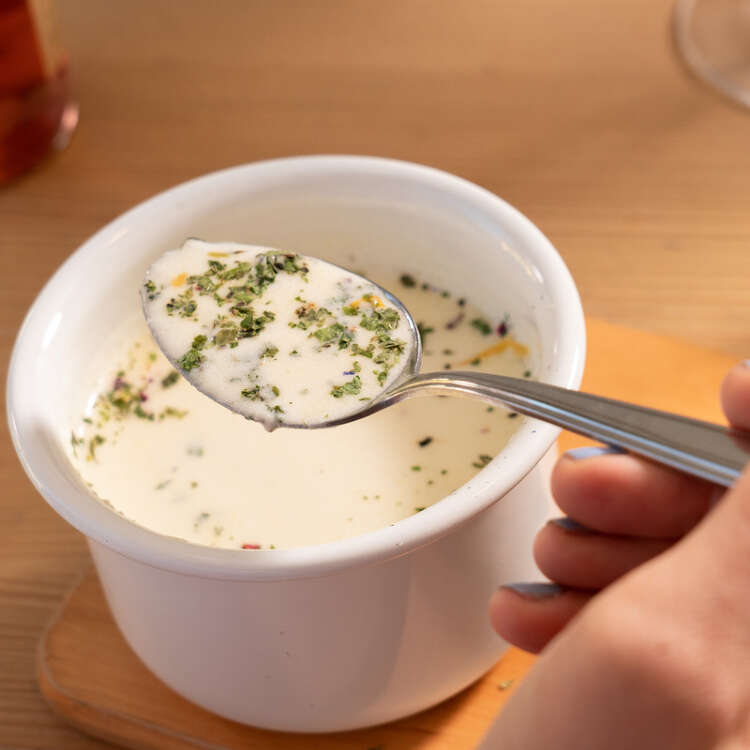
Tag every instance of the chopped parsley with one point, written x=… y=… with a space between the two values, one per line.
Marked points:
x=381 y=321
x=482 y=461
x=482 y=326
x=333 y=334
x=251 y=325
x=183 y=304
x=151 y=290
x=170 y=379
x=350 y=388
x=94 y=443
x=408 y=280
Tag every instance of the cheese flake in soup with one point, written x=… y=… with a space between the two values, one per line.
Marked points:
x=281 y=338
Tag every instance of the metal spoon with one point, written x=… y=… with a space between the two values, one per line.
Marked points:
x=705 y=450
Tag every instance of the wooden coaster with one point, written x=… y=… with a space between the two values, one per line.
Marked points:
x=92 y=679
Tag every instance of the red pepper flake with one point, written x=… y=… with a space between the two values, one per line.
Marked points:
x=142 y=396
x=502 y=329
x=251 y=546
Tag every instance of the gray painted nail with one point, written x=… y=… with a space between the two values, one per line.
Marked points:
x=591 y=451
x=568 y=524
x=541 y=590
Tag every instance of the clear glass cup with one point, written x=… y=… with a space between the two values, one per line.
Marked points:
x=713 y=39
x=37 y=112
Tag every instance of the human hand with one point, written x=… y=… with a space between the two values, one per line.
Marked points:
x=660 y=658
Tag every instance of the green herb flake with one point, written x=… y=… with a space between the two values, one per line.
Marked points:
x=151 y=290
x=270 y=352
x=420 y=508
x=227 y=335
x=350 y=388
x=193 y=357
x=333 y=334
x=381 y=321
x=141 y=413
x=424 y=442
x=483 y=460
x=527 y=374
x=183 y=304
x=170 y=379
x=482 y=326
x=94 y=443
x=416 y=468
x=408 y=280
x=251 y=326
x=170 y=411
x=75 y=442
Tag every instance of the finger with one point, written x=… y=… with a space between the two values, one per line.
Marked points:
x=735 y=395
x=574 y=556
x=529 y=615
x=625 y=495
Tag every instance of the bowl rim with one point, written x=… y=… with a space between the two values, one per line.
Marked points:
x=488 y=486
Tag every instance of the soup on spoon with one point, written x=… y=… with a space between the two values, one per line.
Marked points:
x=281 y=338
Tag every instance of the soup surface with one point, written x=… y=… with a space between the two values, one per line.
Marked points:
x=162 y=454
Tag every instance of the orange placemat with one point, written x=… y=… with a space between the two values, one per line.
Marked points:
x=93 y=680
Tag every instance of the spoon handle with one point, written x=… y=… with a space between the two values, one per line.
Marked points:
x=701 y=449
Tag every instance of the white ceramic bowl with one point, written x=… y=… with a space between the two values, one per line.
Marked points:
x=345 y=634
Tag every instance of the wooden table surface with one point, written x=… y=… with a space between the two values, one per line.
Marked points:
x=578 y=113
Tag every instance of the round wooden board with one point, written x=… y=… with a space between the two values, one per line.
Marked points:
x=90 y=677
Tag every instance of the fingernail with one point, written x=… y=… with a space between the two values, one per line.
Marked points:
x=590 y=451
x=568 y=524
x=535 y=591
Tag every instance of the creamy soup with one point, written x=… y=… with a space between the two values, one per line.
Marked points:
x=278 y=337
x=167 y=457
